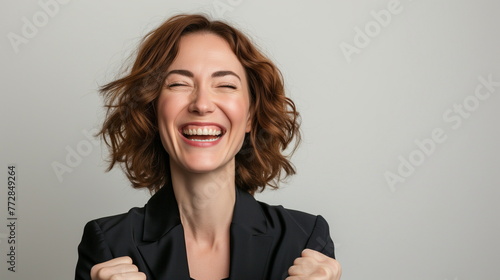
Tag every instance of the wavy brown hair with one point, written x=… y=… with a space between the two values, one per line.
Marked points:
x=130 y=129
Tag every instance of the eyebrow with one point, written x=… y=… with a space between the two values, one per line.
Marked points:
x=225 y=73
x=214 y=75
x=181 y=72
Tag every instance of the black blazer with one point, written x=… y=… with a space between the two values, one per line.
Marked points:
x=265 y=240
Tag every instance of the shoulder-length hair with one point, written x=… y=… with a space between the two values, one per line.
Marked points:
x=130 y=129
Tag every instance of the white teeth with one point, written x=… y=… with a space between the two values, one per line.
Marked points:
x=204 y=131
x=204 y=140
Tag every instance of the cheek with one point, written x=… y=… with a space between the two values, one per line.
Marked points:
x=167 y=110
x=166 y=115
x=239 y=111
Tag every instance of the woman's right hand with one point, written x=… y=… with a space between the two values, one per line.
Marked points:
x=120 y=268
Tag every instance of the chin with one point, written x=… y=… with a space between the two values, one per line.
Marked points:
x=202 y=166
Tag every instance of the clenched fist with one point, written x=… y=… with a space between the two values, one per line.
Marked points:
x=313 y=265
x=120 y=268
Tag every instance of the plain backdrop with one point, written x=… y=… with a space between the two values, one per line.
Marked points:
x=405 y=90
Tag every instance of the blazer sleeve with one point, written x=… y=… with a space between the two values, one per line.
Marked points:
x=320 y=239
x=92 y=250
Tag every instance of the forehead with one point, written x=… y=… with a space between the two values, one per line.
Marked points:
x=204 y=50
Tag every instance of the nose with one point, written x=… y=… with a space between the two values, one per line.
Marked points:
x=202 y=102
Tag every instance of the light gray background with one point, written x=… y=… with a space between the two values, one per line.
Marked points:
x=359 y=117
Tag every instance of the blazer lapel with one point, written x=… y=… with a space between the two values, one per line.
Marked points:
x=164 y=249
x=250 y=246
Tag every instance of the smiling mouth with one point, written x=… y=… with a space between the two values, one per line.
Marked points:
x=202 y=133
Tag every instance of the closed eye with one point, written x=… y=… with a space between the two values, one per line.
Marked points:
x=228 y=86
x=175 y=85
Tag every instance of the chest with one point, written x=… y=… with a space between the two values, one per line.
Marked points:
x=208 y=263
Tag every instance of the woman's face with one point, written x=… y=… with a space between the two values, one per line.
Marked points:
x=203 y=109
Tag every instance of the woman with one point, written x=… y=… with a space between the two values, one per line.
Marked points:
x=201 y=121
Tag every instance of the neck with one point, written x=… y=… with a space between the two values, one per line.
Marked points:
x=206 y=203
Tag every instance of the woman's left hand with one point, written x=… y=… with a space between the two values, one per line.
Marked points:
x=314 y=265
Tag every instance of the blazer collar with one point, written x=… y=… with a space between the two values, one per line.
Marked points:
x=162 y=214
x=250 y=241
x=164 y=238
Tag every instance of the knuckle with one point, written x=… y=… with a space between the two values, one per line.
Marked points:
x=335 y=265
x=94 y=270
x=116 y=277
x=324 y=271
x=307 y=252
x=101 y=273
x=291 y=270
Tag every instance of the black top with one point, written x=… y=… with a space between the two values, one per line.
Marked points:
x=264 y=239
